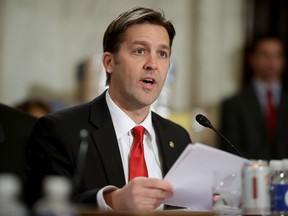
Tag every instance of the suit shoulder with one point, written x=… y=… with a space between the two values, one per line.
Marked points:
x=81 y=111
x=9 y=114
x=240 y=97
x=168 y=123
x=72 y=112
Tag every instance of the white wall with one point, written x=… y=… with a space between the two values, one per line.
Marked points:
x=218 y=49
x=43 y=41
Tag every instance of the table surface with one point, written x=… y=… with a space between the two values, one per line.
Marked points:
x=155 y=213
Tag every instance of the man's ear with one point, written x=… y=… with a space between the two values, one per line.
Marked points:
x=108 y=61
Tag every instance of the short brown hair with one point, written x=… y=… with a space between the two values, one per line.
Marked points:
x=115 y=33
x=255 y=44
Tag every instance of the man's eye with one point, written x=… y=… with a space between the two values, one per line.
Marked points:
x=163 y=54
x=139 y=51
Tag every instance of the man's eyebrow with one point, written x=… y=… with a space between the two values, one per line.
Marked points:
x=144 y=43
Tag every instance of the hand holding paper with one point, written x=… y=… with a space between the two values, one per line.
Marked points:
x=192 y=175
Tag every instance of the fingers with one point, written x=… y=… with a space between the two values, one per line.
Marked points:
x=156 y=189
x=141 y=194
x=157 y=193
x=153 y=183
x=128 y=200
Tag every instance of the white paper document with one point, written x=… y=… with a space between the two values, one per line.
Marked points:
x=192 y=175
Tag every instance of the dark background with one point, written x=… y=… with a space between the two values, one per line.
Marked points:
x=265 y=17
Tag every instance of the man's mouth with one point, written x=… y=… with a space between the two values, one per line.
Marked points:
x=148 y=81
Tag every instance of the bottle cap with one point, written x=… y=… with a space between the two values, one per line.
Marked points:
x=285 y=164
x=262 y=163
x=276 y=165
x=57 y=187
x=9 y=185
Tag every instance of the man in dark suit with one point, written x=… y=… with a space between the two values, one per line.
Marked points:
x=137 y=48
x=256 y=119
x=15 y=129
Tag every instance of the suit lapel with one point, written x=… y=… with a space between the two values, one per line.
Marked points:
x=168 y=154
x=282 y=124
x=105 y=140
x=2 y=137
x=282 y=112
x=254 y=107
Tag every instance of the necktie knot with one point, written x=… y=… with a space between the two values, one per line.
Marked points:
x=138 y=133
x=269 y=93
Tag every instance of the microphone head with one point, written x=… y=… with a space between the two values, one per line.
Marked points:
x=202 y=120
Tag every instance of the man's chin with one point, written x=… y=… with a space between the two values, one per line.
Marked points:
x=145 y=103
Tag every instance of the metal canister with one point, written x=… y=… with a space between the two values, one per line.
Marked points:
x=256 y=188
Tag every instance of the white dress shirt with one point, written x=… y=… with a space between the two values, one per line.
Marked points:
x=123 y=125
x=261 y=89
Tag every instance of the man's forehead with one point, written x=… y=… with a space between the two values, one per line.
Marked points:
x=147 y=33
x=269 y=43
x=147 y=43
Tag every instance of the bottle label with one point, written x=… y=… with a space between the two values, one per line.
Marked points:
x=279 y=195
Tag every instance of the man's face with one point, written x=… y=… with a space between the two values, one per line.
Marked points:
x=138 y=70
x=268 y=60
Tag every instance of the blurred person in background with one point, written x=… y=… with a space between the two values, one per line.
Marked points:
x=15 y=129
x=37 y=108
x=256 y=119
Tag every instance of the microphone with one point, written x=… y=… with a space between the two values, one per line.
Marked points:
x=202 y=120
x=83 y=148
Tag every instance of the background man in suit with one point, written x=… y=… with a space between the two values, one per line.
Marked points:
x=256 y=119
x=15 y=129
x=137 y=48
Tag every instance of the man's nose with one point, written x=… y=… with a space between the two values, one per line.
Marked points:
x=151 y=62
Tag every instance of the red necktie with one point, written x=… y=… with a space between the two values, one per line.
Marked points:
x=137 y=161
x=271 y=113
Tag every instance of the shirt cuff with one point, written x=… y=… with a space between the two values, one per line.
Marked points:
x=100 y=198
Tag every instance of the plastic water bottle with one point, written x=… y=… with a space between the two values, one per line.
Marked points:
x=279 y=188
x=9 y=192
x=276 y=169
x=56 y=200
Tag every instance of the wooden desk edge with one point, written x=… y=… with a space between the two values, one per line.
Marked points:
x=156 y=213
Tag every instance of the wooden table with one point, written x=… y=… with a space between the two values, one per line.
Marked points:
x=155 y=213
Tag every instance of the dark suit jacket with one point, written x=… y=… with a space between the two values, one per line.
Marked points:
x=243 y=123
x=15 y=129
x=55 y=142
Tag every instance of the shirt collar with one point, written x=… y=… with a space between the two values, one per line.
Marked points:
x=123 y=124
x=262 y=88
